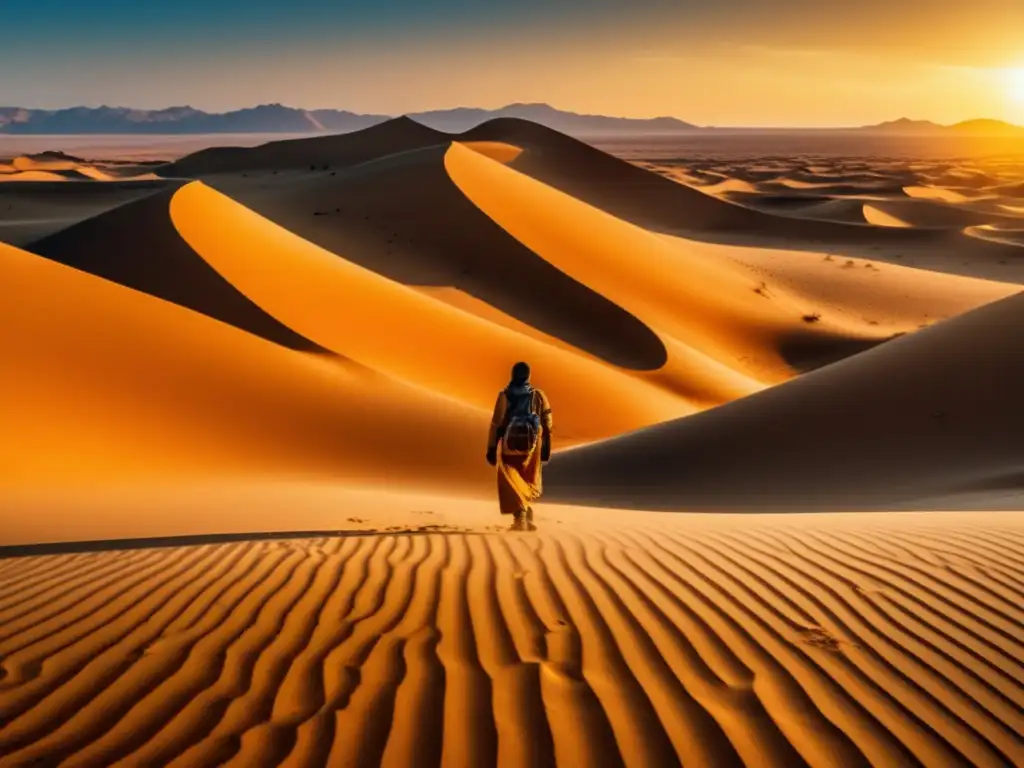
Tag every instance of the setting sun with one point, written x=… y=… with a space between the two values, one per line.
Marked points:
x=1015 y=84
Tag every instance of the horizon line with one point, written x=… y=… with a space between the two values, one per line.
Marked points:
x=411 y=115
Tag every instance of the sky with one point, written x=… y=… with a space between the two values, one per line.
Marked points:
x=711 y=62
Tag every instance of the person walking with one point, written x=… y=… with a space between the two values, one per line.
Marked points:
x=519 y=442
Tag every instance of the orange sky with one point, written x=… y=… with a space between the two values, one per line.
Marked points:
x=720 y=62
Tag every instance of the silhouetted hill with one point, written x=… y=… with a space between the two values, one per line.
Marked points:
x=980 y=127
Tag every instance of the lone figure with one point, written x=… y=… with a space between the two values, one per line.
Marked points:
x=518 y=442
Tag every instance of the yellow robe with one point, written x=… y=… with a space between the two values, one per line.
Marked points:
x=519 y=477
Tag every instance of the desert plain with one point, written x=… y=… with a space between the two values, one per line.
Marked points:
x=245 y=517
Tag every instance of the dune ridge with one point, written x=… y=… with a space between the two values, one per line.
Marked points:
x=170 y=270
x=783 y=641
x=397 y=135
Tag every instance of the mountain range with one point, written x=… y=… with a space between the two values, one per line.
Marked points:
x=277 y=118
x=979 y=127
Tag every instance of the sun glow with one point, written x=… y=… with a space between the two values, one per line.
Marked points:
x=1015 y=84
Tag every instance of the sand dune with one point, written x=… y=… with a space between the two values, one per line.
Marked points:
x=430 y=290
x=631 y=193
x=58 y=166
x=115 y=386
x=935 y=193
x=390 y=137
x=19 y=175
x=651 y=199
x=246 y=517
x=996 y=234
x=170 y=271
x=859 y=293
x=881 y=217
x=915 y=421
x=936 y=215
x=929 y=195
x=401 y=331
x=30 y=212
x=817 y=641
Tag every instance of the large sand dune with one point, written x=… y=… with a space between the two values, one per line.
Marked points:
x=388 y=138
x=245 y=517
x=918 y=420
x=115 y=387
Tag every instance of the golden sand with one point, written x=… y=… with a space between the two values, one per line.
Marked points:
x=245 y=517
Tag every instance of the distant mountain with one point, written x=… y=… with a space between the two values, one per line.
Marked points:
x=277 y=118
x=266 y=118
x=459 y=120
x=979 y=127
x=905 y=125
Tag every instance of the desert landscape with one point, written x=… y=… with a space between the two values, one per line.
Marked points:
x=246 y=517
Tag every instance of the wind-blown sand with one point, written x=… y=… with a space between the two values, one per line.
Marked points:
x=246 y=517
x=838 y=640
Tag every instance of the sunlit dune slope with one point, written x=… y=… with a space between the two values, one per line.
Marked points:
x=855 y=293
x=880 y=217
x=934 y=214
x=1013 y=236
x=32 y=175
x=916 y=420
x=137 y=246
x=337 y=151
x=115 y=387
x=401 y=331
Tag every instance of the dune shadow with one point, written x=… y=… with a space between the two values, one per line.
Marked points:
x=806 y=352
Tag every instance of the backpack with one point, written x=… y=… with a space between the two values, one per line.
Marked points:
x=522 y=424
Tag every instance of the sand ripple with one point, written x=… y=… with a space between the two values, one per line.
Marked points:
x=889 y=640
